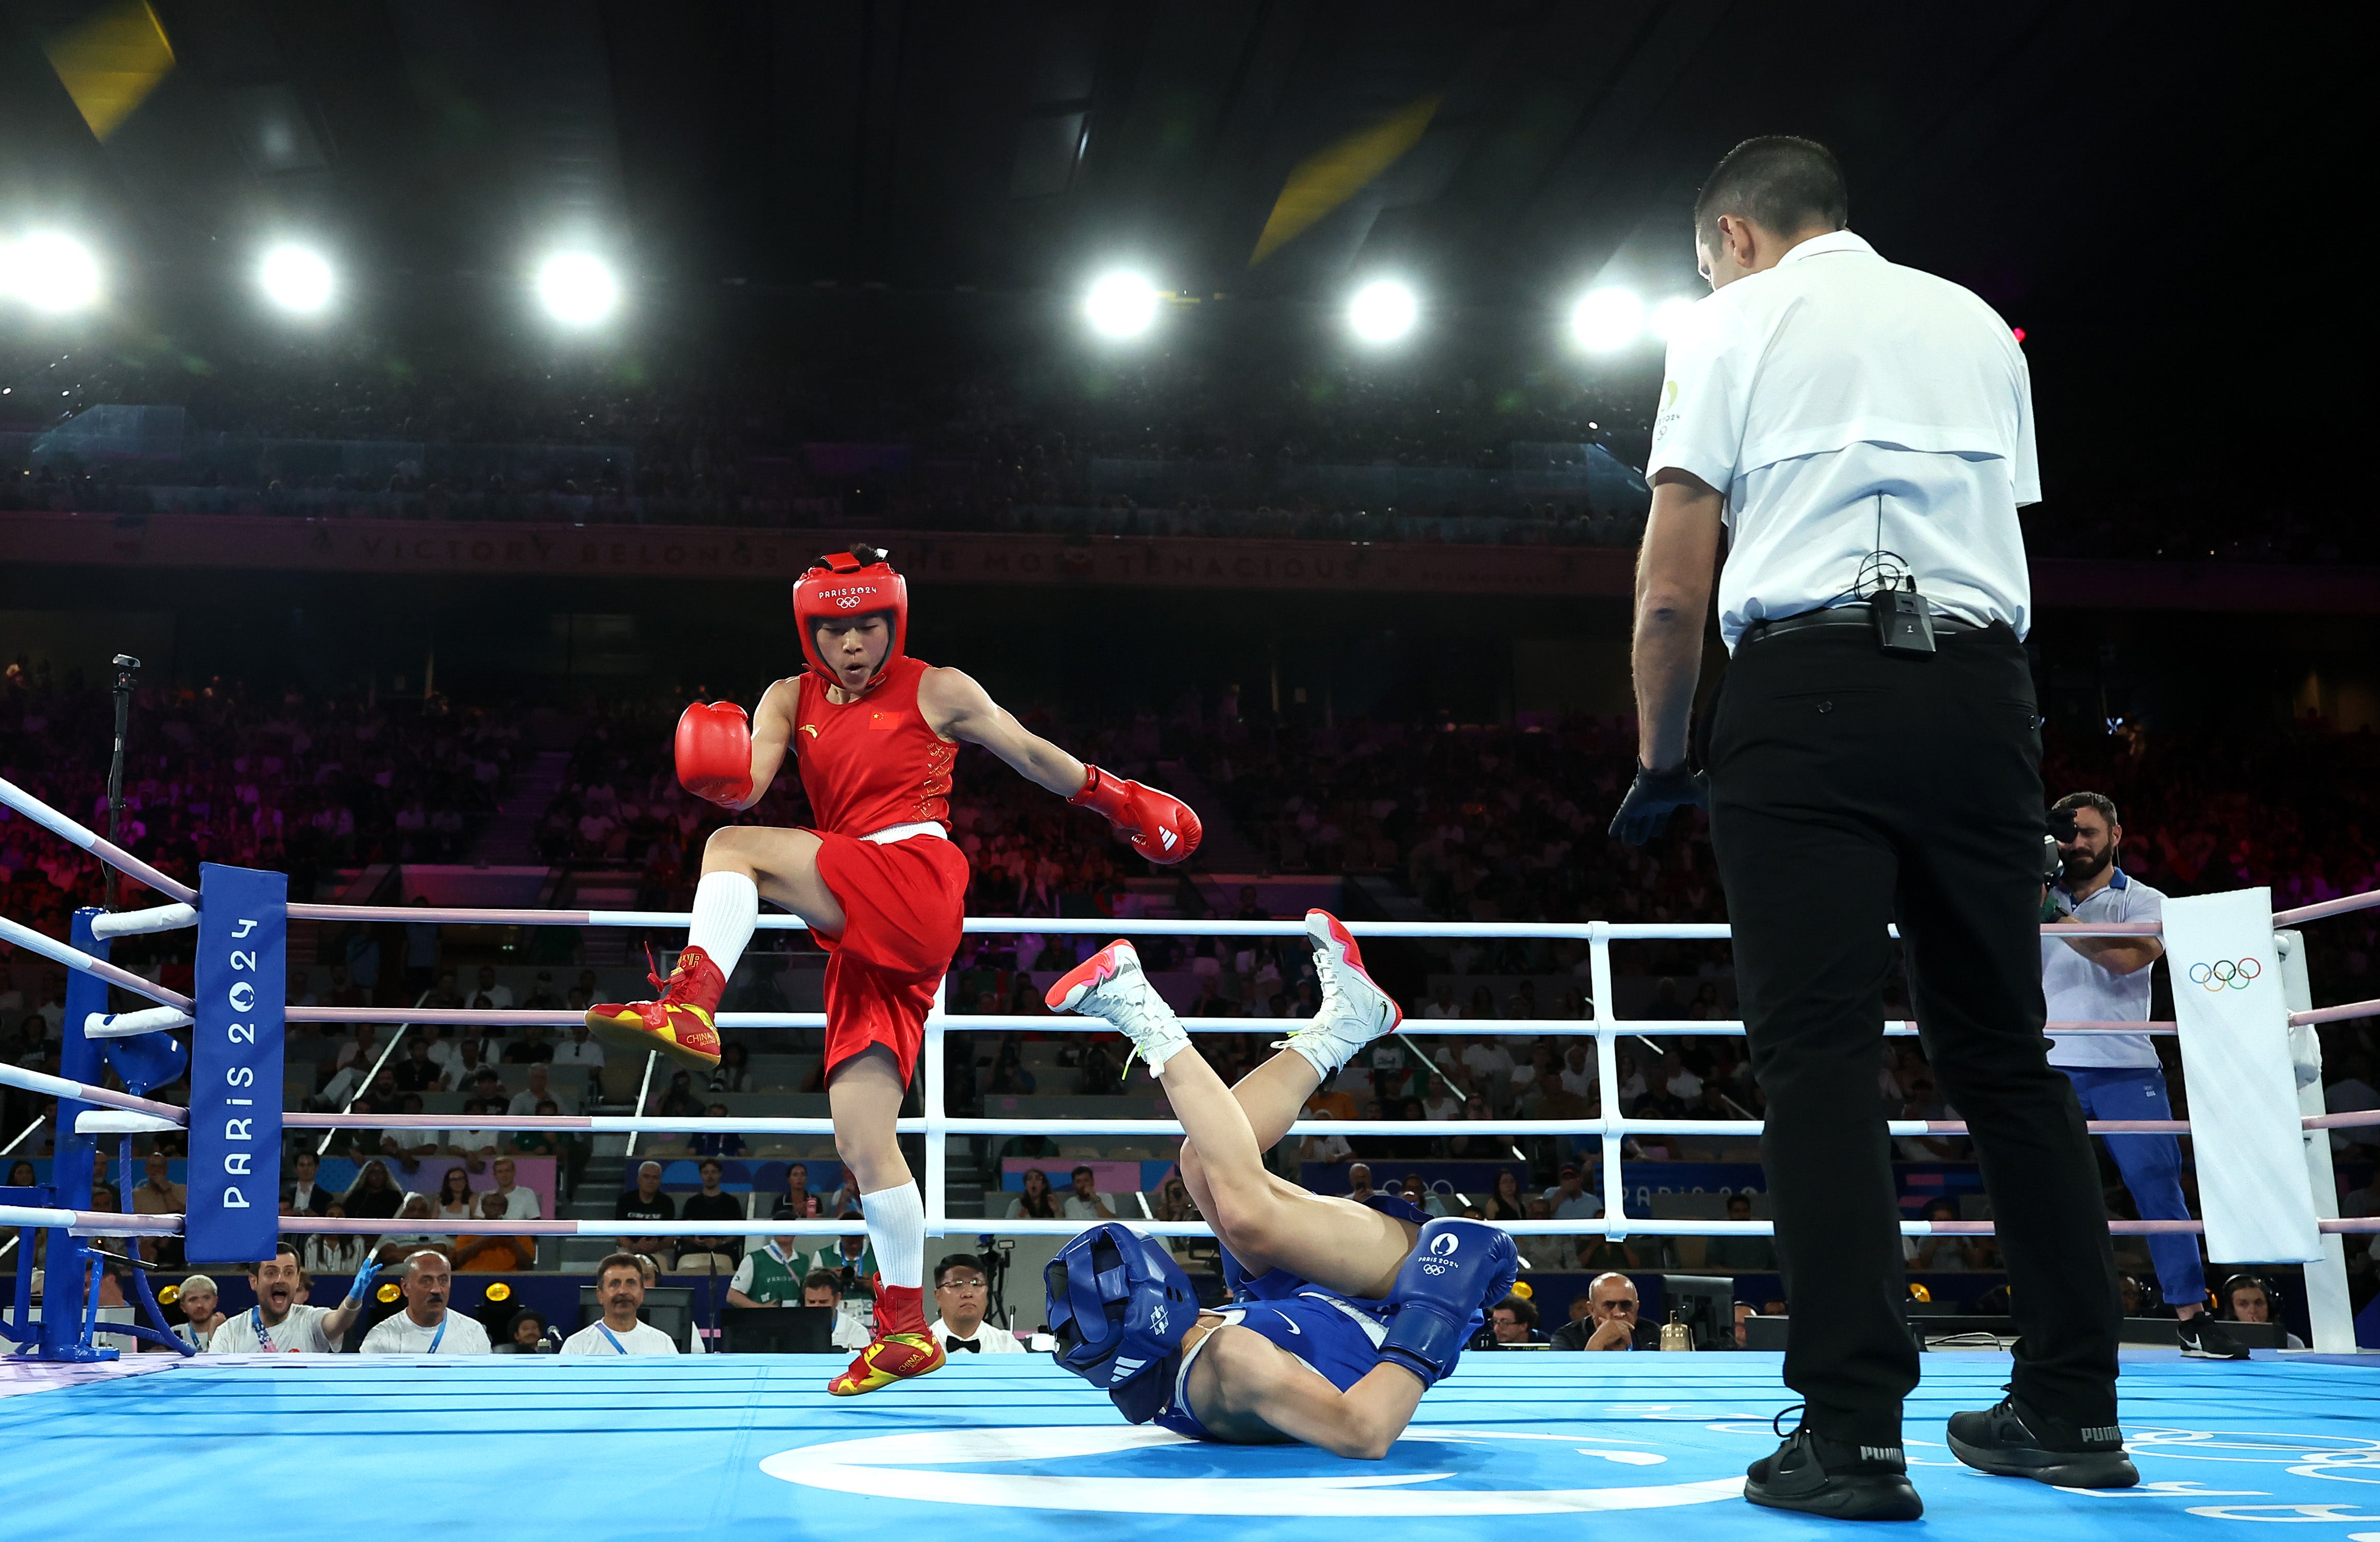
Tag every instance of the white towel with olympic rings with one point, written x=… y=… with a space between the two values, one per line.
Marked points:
x=2234 y=1022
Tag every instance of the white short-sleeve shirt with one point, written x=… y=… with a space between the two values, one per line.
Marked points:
x=248 y=1333
x=1837 y=387
x=2078 y=989
x=595 y=1339
x=989 y=1336
x=454 y=1334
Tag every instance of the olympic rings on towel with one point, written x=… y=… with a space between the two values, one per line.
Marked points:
x=2232 y=974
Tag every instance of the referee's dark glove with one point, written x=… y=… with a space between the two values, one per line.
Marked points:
x=1653 y=797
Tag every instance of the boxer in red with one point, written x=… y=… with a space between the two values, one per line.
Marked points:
x=876 y=881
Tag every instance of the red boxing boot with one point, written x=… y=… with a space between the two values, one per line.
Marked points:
x=678 y=1024
x=902 y=1350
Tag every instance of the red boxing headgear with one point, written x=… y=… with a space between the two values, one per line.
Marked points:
x=843 y=586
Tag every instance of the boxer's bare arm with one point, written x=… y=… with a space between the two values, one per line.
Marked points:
x=956 y=708
x=772 y=727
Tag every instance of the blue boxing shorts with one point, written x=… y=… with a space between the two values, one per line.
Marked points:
x=1337 y=1336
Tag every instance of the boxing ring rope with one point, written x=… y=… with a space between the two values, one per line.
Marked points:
x=937 y=1125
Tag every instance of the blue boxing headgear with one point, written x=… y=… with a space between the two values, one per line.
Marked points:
x=1118 y=1305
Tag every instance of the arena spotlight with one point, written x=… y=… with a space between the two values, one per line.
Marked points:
x=1607 y=319
x=295 y=278
x=1121 y=305
x=50 y=271
x=578 y=288
x=1669 y=317
x=1382 y=312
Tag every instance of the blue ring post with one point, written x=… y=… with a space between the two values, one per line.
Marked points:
x=65 y=1275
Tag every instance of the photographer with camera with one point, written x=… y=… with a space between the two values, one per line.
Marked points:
x=2106 y=980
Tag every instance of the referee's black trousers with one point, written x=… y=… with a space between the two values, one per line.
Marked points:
x=1850 y=789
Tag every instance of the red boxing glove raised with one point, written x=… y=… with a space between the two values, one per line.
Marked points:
x=1161 y=826
x=714 y=753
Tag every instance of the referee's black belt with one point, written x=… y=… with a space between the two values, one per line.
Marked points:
x=1843 y=615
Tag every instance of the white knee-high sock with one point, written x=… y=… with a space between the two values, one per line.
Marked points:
x=897 y=1228
x=726 y=908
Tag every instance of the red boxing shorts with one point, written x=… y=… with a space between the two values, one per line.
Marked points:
x=903 y=903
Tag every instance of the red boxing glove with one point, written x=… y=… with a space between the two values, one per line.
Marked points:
x=714 y=753
x=1161 y=826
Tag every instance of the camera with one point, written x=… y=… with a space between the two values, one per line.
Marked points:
x=2059 y=826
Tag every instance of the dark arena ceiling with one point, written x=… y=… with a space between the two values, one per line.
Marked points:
x=2112 y=177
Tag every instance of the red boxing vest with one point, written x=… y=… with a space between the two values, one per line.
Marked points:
x=870 y=764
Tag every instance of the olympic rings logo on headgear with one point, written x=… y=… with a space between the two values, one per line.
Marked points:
x=850 y=602
x=2226 y=974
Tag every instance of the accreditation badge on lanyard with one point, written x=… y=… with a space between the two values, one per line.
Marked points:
x=255 y=1321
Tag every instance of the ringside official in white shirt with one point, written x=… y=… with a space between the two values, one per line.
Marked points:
x=279 y=1323
x=963 y=1293
x=1863 y=434
x=426 y=1327
x=620 y=1287
x=2107 y=980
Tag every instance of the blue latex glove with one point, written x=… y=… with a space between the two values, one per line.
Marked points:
x=366 y=1272
x=1653 y=797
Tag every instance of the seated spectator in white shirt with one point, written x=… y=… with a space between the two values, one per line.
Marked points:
x=426 y=1327
x=1441 y=1005
x=620 y=1287
x=525 y=1102
x=520 y=1203
x=1578 y=1071
x=496 y=995
x=401 y=1239
x=475 y=1145
x=963 y=1292
x=579 y=1049
x=1084 y=1202
x=279 y=1323
x=407 y=1143
x=823 y=1287
x=1315 y=1148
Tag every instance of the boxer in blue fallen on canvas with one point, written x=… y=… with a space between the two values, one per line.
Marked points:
x=1342 y=1314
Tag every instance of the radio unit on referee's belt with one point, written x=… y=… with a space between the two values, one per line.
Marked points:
x=1904 y=622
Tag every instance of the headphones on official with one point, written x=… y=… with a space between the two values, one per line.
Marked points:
x=2245 y=1281
x=2151 y=1298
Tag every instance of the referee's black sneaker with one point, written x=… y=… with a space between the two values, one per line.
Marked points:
x=1829 y=1477
x=2013 y=1440
x=2205 y=1339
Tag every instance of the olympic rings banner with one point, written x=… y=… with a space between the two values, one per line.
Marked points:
x=239 y=1005
x=2234 y=1025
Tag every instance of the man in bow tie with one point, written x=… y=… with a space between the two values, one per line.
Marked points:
x=962 y=1293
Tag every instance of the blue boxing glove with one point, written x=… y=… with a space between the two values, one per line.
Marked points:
x=366 y=1272
x=1456 y=1270
x=1653 y=797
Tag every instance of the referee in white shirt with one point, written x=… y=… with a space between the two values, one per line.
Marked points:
x=1863 y=432
x=2116 y=1076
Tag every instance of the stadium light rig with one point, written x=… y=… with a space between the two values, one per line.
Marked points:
x=297 y=279
x=1382 y=312
x=1121 y=305
x=50 y=271
x=578 y=288
x=1605 y=320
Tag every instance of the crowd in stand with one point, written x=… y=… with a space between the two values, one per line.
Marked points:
x=275 y=780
